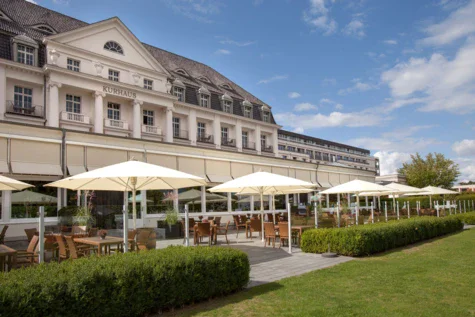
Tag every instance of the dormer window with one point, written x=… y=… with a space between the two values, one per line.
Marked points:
x=247 y=109
x=181 y=72
x=265 y=114
x=204 y=79
x=25 y=50
x=227 y=103
x=204 y=97
x=179 y=90
x=113 y=47
x=45 y=29
x=226 y=86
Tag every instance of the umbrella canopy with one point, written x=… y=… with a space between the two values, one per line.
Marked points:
x=7 y=183
x=393 y=189
x=431 y=190
x=27 y=196
x=138 y=199
x=194 y=195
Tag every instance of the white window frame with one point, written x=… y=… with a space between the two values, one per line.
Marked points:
x=24 y=97
x=265 y=116
x=114 y=75
x=73 y=103
x=148 y=117
x=205 y=97
x=176 y=127
x=25 y=54
x=179 y=92
x=114 y=47
x=73 y=64
x=245 y=139
x=247 y=111
x=227 y=106
x=224 y=133
x=113 y=111
x=148 y=84
x=263 y=141
x=201 y=130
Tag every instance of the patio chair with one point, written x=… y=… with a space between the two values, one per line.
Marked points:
x=31 y=246
x=223 y=231
x=203 y=230
x=283 y=232
x=239 y=224
x=74 y=251
x=2 y=234
x=217 y=220
x=92 y=232
x=255 y=226
x=131 y=237
x=191 y=228
x=269 y=233
x=27 y=258
x=62 y=249
x=79 y=231
x=142 y=239
x=30 y=233
x=270 y=218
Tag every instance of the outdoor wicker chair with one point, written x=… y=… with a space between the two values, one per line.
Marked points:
x=203 y=230
x=30 y=233
x=283 y=232
x=269 y=233
x=223 y=231
x=239 y=224
x=255 y=226
x=2 y=234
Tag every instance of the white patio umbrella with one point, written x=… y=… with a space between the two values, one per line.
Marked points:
x=263 y=183
x=130 y=176
x=7 y=183
x=355 y=187
x=431 y=191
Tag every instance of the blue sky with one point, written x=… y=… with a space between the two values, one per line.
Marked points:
x=396 y=77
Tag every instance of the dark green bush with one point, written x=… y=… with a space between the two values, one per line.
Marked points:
x=128 y=284
x=374 y=238
x=467 y=218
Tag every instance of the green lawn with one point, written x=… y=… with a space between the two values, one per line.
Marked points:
x=436 y=278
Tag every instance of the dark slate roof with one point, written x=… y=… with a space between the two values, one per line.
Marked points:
x=322 y=142
x=25 y=15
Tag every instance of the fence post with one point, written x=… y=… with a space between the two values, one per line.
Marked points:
x=290 y=228
x=187 y=227
x=386 y=210
x=316 y=214
x=125 y=235
x=397 y=209
x=41 y=231
x=338 y=213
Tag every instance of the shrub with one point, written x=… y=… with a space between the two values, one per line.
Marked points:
x=124 y=284
x=373 y=238
x=467 y=218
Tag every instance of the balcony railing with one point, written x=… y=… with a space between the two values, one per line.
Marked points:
x=228 y=142
x=25 y=109
x=76 y=117
x=249 y=145
x=204 y=138
x=150 y=129
x=117 y=124
x=268 y=148
x=180 y=134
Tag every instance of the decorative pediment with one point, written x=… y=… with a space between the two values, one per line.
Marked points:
x=246 y=103
x=203 y=90
x=45 y=29
x=178 y=82
x=110 y=38
x=226 y=97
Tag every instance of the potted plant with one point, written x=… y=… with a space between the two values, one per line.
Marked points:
x=102 y=234
x=83 y=217
x=170 y=223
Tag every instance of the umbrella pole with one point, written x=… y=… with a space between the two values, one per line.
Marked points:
x=41 y=233
x=273 y=208
x=262 y=216
x=316 y=214
x=357 y=208
x=187 y=227
x=290 y=228
x=126 y=225
x=386 y=210
x=397 y=209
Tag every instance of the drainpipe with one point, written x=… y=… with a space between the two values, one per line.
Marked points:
x=64 y=166
x=44 y=99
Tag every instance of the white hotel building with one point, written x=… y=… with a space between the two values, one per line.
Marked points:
x=76 y=96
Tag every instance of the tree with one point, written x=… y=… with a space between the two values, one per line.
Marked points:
x=434 y=170
x=467 y=183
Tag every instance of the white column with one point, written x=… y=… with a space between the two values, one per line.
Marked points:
x=217 y=131
x=230 y=204
x=295 y=202
x=53 y=109
x=175 y=200
x=203 y=198
x=3 y=92
x=137 y=119
x=309 y=198
x=328 y=200
x=286 y=200
x=275 y=142
x=6 y=205
x=169 y=125
x=257 y=137
x=192 y=126
x=99 y=112
x=251 y=203
x=239 y=135
x=366 y=201
x=143 y=205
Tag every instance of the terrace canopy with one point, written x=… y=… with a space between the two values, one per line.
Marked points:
x=7 y=183
x=130 y=176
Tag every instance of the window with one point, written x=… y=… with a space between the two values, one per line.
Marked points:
x=176 y=127
x=227 y=106
x=201 y=130
x=148 y=84
x=113 y=47
x=73 y=104
x=113 y=111
x=181 y=72
x=224 y=133
x=23 y=97
x=113 y=75
x=245 y=139
x=265 y=116
x=45 y=29
x=73 y=64
x=25 y=54
x=263 y=141
x=248 y=111
x=281 y=147
x=284 y=157
x=179 y=92
x=325 y=157
x=148 y=117
x=204 y=100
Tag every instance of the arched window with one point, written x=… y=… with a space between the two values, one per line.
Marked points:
x=113 y=47
x=45 y=29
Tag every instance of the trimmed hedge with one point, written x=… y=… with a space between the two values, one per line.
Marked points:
x=124 y=284
x=467 y=218
x=374 y=238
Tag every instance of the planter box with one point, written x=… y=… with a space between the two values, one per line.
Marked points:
x=171 y=232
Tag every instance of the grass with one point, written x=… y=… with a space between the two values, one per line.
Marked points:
x=434 y=278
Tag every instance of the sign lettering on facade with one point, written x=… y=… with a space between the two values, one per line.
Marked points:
x=119 y=92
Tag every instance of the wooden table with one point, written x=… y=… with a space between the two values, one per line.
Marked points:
x=7 y=257
x=99 y=243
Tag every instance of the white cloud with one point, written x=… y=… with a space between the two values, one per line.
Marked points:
x=222 y=52
x=198 y=10
x=357 y=86
x=466 y=168
x=391 y=161
x=437 y=83
x=339 y=106
x=225 y=40
x=305 y=106
x=334 y=119
x=293 y=95
x=317 y=16
x=329 y=81
x=460 y=23
x=326 y=101
x=355 y=28
x=464 y=148
x=299 y=130
x=390 y=42
x=271 y=79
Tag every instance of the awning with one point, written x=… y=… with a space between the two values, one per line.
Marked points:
x=193 y=166
x=240 y=169
x=280 y=171
x=100 y=157
x=323 y=179
x=262 y=168
x=344 y=178
x=334 y=179
x=74 y=169
x=303 y=175
x=218 y=171
x=3 y=156
x=218 y=178
x=169 y=161
x=37 y=158
x=75 y=159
